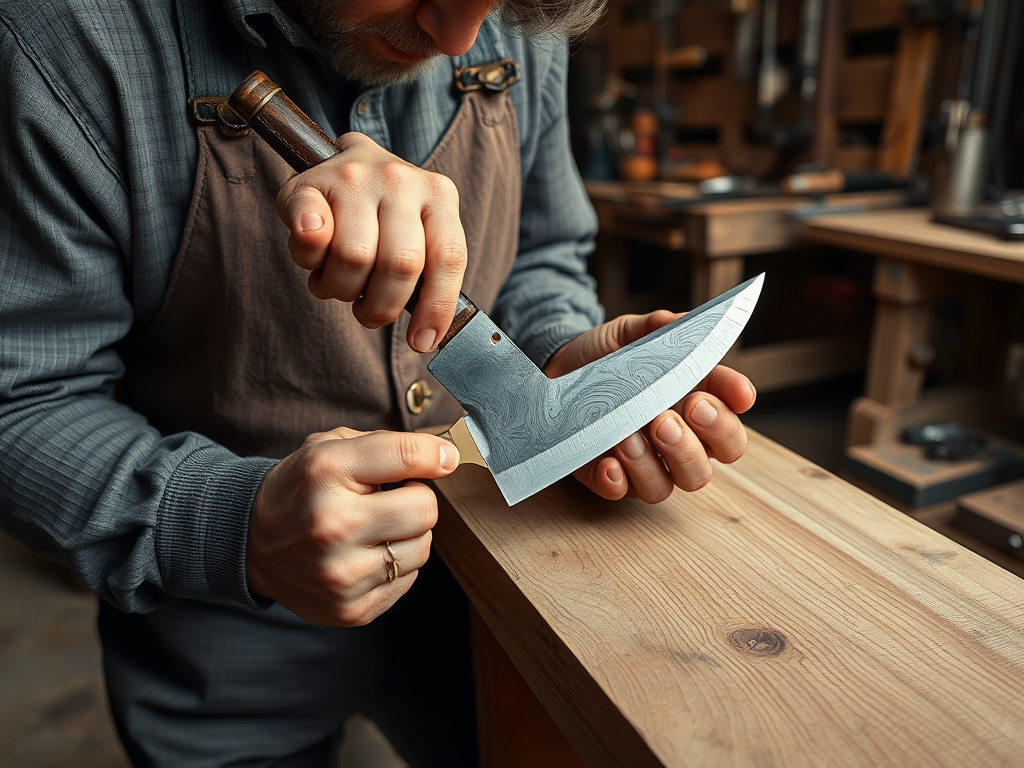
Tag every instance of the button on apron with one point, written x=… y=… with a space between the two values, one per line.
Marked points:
x=417 y=396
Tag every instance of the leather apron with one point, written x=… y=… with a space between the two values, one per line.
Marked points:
x=241 y=351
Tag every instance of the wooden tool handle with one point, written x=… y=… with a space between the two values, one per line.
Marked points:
x=289 y=130
x=303 y=144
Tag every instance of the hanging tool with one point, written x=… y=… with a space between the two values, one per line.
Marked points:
x=745 y=45
x=773 y=81
x=961 y=177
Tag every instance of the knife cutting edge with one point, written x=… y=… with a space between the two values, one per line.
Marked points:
x=527 y=429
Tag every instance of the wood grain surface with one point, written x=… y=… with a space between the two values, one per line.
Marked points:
x=909 y=234
x=778 y=617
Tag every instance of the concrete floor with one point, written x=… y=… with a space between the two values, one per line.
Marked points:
x=52 y=707
x=53 y=711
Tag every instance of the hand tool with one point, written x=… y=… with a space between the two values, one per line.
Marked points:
x=973 y=166
x=962 y=174
x=528 y=430
x=665 y=14
x=834 y=180
x=825 y=138
x=773 y=81
x=745 y=44
x=771 y=78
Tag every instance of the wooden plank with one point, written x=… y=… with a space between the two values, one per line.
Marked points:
x=648 y=193
x=870 y=421
x=857 y=158
x=911 y=81
x=779 y=616
x=912 y=283
x=939 y=518
x=897 y=331
x=996 y=516
x=765 y=224
x=701 y=23
x=741 y=227
x=705 y=101
x=905 y=471
x=863 y=86
x=714 y=276
x=874 y=15
x=910 y=234
x=512 y=725
x=801 y=361
x=673 y=238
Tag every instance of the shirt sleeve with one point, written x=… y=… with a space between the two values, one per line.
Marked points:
x=140 y=517
x=549 y=297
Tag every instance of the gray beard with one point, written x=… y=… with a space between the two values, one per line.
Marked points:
x=344 y=47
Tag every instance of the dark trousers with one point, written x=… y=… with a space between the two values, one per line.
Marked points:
x=199 y=684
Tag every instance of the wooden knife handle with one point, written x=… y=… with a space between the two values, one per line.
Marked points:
x=303 y=144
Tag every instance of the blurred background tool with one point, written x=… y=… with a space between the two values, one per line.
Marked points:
x=975 y=174
x=815 y=182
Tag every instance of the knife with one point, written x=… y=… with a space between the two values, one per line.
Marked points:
x=527 y=429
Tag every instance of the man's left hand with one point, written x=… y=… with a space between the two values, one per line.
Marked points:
x=676 y=448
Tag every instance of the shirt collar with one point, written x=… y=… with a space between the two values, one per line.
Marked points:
x=240 y=11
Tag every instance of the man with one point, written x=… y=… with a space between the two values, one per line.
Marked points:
x=224 y=458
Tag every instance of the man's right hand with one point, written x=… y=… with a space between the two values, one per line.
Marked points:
x=320 y=521
x=367 y=224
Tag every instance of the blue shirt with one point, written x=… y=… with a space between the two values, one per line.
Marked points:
x=97 y=163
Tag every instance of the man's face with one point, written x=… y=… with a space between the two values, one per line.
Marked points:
x=378 y=42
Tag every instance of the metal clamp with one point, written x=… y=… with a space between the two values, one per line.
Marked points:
x=215 y=111
x=496 y=76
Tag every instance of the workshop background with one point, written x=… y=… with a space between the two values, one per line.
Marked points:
x=867 y=156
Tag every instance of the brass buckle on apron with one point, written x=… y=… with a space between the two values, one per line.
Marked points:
x=496 y=76
x=215 y=111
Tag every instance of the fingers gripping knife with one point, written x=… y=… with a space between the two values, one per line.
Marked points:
x=527 y=429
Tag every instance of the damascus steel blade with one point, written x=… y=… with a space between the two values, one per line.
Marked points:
x=532 y=430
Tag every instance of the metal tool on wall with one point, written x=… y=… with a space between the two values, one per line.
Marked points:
x=528 y=430
x=974 y=119
x=825 y=137
x=773 y=81
x=665 y=14
x=747 y=13
x=958 y=182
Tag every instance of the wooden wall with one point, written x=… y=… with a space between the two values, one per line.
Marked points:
x=716 y=112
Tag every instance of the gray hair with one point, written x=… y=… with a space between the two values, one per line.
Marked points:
x=568 y=18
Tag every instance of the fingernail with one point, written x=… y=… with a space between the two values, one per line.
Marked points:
x=703 y=414
x=615 y=475
x=753 y=393
x=311 y=221
x=669 y=432
x=424 y=339
x=449 y=456
x=634 y=446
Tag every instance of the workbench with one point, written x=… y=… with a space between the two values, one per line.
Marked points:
x=717 y=236
x=777 y=617
x=919 y=262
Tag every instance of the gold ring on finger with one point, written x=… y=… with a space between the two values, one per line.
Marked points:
x=391 y=568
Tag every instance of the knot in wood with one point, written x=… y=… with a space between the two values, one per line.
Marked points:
x=758 y=641
x=815 y=474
